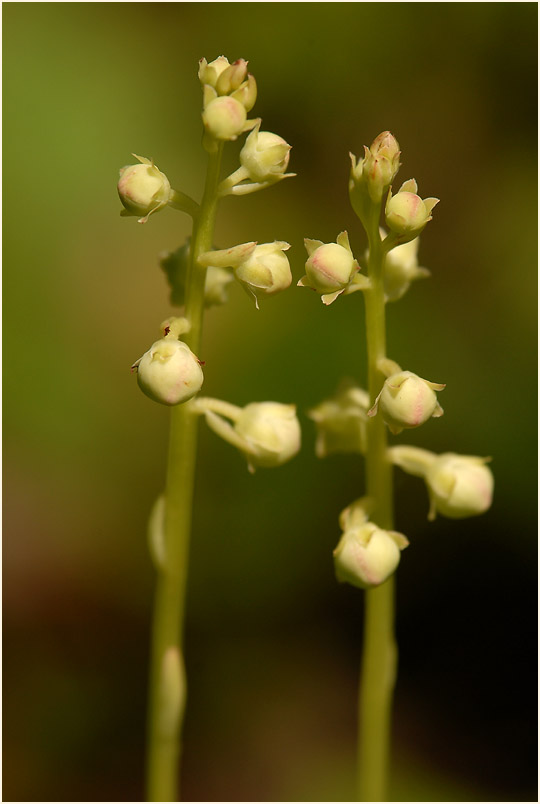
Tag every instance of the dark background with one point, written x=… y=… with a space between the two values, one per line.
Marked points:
x=272 y=641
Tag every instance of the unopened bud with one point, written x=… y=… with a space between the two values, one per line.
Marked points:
x=381 y=164
x=271 y=432
x=209 y=73
x=406 y=213
x=262 y=269
x=341 y=422
x=225 y=118
x=143 y=189
x=231 y=77
x=266 y=271
x=401 y=268
x=459 y=486
x=330 y=267
x=169 y=372
x=265 y=156
x=246 y=94
x=366 y=555
x=407 y=401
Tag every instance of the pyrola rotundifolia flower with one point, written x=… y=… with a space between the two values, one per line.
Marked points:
x=330 y=267
x=459 y=486
x=406 y=213
x=143 y=189
x=169 y=372
x=406 y=401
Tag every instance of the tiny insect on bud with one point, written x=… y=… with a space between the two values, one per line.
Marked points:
x=169 y=372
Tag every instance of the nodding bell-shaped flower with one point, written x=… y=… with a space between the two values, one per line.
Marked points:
x=262 y=270
x=341 y=422
x=330 y=267
x=265 y=156
x=407 y=401
x=169 y=372
x=401 y=268
x=406 y=213
x=267 y=433
x=366 y=555
x=459 y=486
x=143 y=189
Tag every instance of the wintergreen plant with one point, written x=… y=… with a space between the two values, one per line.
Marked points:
x=169 y=372
x=357 y=420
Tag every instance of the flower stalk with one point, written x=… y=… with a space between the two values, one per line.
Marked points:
x=167 y=678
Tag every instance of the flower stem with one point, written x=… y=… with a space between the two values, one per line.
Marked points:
x=167 y=680
x=379 y=651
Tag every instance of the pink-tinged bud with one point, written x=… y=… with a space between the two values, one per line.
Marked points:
x=459 y=486
x=224 y=118
x=329 y=268
x=169 y=372
x=381 y=164
x=231 y=78
x=407 y=401
x=143 y=189
x=367 y=556
x=406 y=213
x=385 y=145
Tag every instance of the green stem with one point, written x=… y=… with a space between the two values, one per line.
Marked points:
x=167 y=684
x=379 y=651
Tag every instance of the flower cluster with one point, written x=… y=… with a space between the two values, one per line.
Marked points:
x=458 y=486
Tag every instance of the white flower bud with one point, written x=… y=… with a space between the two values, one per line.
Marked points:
x=267 y=433
x=262 y=269
x=271 y=432
x=143 y=189
x=459 y=486
x=209 y=73
x=169 y=372
x=366 y=555
x=406 y=401
x=330 y=267
x=406 y=213
x=341 y=422
x=401 y=268
x=225 y=118
x=266 y=270
x=381 y=164
x=265 y=156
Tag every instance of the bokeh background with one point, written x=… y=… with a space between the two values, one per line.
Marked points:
x=272 y=641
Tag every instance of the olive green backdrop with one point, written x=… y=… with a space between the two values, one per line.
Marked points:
x=272 y=641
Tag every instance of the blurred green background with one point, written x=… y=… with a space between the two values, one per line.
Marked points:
x=272 y=641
